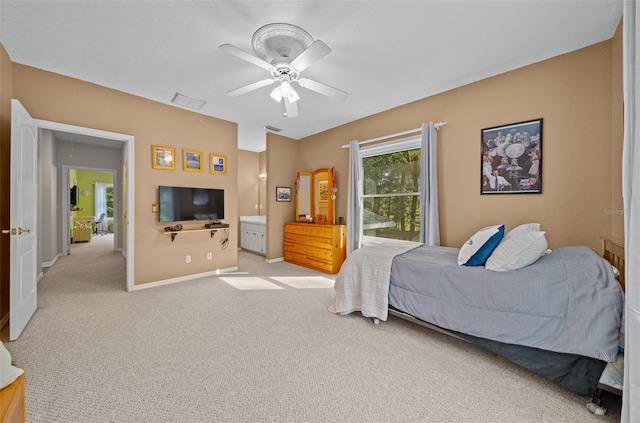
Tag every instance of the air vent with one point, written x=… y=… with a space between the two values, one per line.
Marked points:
x=183 y=100
x=272 y=128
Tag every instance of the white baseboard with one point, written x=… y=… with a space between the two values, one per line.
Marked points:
x=184 y=278
x=52 y=262
x=275 y=260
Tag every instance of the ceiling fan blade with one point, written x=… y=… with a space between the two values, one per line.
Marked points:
x=316 y=51
x=235 y=51
x=323 y=89
x=251 y=87
x=291 y=108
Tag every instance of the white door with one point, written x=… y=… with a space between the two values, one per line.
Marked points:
x=23 y=249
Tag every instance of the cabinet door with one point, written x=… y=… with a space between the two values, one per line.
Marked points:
x=245 y=239
x=255 y=241
x=263 y=244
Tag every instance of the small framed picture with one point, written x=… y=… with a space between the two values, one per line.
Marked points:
x=511 y=158
x=323 y=188
x=283 y=193
x=218 y=164
x=163 y=157
x=192 y=161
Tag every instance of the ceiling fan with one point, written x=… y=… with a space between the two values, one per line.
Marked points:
x=284 y=50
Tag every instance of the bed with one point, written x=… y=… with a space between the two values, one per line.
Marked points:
x=558 y=317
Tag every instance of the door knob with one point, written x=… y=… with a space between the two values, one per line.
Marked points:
x=11 y=231
x=20 y=230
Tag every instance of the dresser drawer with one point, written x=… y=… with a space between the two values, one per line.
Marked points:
x=318 y=242
x=319 y=254
x=294 y=238
x=319 y=231
x=295 y=229
x=295 y=257
x=320 y=265
x=294 y=247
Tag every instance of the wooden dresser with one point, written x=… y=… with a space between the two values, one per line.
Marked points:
x=320 y=247
x=12 y=407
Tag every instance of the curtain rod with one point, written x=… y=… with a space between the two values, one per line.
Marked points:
x=397 y=134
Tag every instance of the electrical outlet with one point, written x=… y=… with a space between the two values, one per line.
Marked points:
x=188 y=259
x=255 y=206
x=209 y=256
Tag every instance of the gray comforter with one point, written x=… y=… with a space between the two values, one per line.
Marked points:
x=568 y=301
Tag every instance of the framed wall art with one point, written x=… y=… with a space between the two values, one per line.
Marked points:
x=163 y=157
x=323 y=191
x=218 y=164
x=191 y=161
x=283 y=193
x=511 y=158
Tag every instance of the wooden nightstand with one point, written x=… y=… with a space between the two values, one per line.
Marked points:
x=12 y=404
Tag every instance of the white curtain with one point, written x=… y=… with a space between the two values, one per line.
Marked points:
x=354 y=207
x=100 y=205
x=631 y=196
x=429 y=220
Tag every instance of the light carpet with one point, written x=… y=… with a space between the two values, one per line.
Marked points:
x=231 y=348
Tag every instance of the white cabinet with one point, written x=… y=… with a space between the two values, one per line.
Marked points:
x=253 y=237
x=245 y=237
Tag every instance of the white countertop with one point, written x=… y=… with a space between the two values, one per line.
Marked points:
x=254 y=219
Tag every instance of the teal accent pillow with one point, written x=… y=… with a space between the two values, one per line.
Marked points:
x=479 y=247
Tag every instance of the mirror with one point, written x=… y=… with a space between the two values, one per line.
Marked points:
x=315 y=196
x=303 y=196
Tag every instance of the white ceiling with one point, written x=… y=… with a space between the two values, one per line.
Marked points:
x=384 y=53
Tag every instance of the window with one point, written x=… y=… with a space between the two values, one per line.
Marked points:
x=391 y=190
x=109 y=200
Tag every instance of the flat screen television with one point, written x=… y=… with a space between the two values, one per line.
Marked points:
x=73 y=196
x=184 y=203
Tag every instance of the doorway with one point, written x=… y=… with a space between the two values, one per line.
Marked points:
x=85 y=139
x=92 y=193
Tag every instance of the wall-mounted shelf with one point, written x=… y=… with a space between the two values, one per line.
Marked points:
x=211 y=228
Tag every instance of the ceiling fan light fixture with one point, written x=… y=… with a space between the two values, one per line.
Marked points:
x=276 y=94
x=284 y=50
x=284 y=90
x=293 y=97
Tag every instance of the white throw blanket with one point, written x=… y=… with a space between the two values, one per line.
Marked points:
x=363 y=282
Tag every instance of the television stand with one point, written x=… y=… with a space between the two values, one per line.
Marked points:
x=208 y=227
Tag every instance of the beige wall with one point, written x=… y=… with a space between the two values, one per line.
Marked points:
x=58 y=98
x=248 y=185
x=282 y=165
x=262 y=165
x=617 y=135
x=6 y=72
x=572 y=93
x=248 y=182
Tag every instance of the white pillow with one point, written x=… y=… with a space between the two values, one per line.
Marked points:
x=8 y=373
x=521 y=247
x=479 y=247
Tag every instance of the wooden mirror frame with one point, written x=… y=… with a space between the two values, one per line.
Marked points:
x=320 y=199
x=304 y=196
